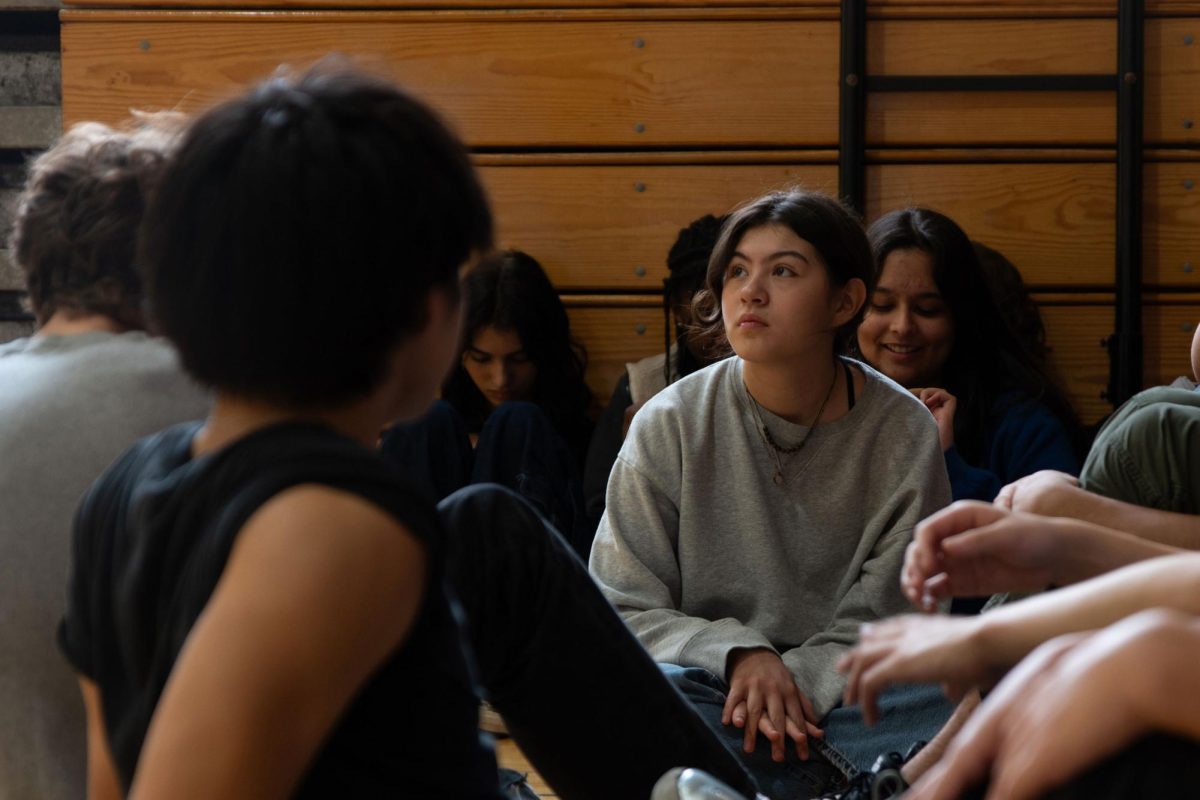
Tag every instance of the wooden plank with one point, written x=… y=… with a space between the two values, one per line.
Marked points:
x=614 y=336
x=503 y=82
x=1172 y=224
x=1054 y=221
x=611 y=227
x=1074 y=334
x=1168 y=331
x=1172 y=74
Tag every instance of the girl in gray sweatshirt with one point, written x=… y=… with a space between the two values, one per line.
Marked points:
x=759 y=509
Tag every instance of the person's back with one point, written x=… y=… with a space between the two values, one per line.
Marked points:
x=72 y=397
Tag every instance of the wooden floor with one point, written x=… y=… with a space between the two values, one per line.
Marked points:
x=509 y=755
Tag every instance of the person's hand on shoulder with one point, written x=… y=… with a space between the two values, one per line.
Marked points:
x=942 y=405
x=763 y=698
x=1043 y=492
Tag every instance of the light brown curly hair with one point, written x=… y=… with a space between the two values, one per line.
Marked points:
x=74 y=236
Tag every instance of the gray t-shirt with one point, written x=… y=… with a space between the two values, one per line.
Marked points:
x=69 y=405
x=701 y=552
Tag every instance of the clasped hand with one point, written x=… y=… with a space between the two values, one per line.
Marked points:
x=763 y=698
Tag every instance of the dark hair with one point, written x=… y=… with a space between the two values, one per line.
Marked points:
x=299 y=231
x=987 y=359
x=1013 y=300
x=510 y=291
x=687 y=265
x=832 y=229
x=74 y=236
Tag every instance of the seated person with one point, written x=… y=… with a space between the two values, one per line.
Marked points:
x=1141 y=473
x=759 y=509
x=259 y=606
x=933 y=325
x=1072 y=703
x=687 y=263
x=515 y=409
x=87 y=384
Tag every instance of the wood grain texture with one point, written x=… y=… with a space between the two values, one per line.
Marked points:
x=614 y=336
x=599 y=227
x=1172 y=224
x=1074 y=333
x=1172 y=76
x=1168 y=331
x=502 y=82
x=1054 y=221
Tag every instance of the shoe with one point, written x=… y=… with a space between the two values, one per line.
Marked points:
x=683 y=783
x=513 y=785
x=491 y=721
x=882 y=781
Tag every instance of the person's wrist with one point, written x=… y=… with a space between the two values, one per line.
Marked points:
x=996 y=642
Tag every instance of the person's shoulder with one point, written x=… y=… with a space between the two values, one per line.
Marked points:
x=889 y=398
x=690 y=394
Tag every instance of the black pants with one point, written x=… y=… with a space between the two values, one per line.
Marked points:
x=583 y=699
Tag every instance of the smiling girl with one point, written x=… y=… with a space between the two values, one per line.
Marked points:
x=759 y=509
x=933 y=326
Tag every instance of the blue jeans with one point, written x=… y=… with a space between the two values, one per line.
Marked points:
x=908 y=714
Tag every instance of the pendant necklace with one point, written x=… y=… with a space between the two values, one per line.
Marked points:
x=776 y=450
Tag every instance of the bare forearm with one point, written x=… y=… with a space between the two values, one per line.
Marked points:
x=1011 y=632
x=1088 y=550
x=1163 y=527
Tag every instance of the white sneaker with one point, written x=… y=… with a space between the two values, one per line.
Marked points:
x=682 y=783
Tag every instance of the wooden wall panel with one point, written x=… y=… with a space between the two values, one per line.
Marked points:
x=1075 y=333
x=1172 y=224
x=1054 y=221
x=1172 y=67
x=613 y=336
x=1168 y=338
x=610 y=227
x=505 y=82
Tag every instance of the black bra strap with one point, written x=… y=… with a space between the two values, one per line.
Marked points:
x=849 y=386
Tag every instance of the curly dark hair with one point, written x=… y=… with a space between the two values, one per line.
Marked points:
x=74 y=236
x=510 y=291
x=687 y=265
x=830 y=227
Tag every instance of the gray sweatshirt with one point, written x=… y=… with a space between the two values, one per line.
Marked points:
x=701 y=552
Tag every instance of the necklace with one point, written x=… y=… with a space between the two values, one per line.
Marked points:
x=776 y=450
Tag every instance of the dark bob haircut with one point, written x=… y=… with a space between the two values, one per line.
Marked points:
x=988 y=358
x=74 y=235
x=299 y=230
x=510 y=291
x=832 y=229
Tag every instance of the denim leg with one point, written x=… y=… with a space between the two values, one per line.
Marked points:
x=519 y=448
x=792 y=780
x=585 y=702
x=433 y=451
x=908 y=713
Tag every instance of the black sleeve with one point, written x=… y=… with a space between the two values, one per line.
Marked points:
x=602 y=453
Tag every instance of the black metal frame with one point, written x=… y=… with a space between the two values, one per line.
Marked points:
x=1125 y=346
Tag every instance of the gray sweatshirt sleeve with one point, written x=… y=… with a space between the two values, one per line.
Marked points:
x=876 y=594
x=633 y=561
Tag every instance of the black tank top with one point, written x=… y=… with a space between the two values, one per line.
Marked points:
x=151 y=540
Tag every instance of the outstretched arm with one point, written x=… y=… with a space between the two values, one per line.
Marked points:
x=1072 y=703
x=1057 y=494
x=973 y=651
x=972 y=549
x=282 y=647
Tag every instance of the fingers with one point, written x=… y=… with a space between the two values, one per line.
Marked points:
x=755 y=706
x=1005 y=498
x=924 y=557
x=735 y=701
